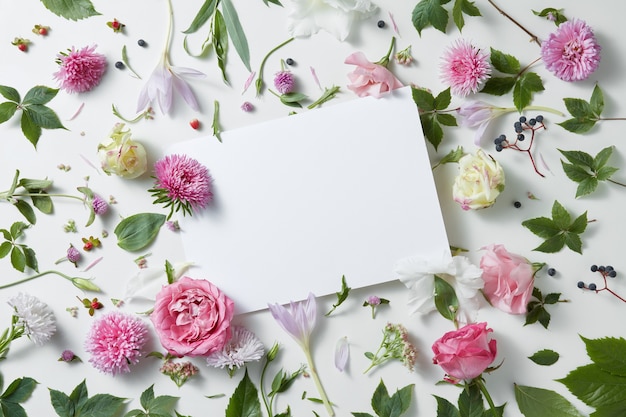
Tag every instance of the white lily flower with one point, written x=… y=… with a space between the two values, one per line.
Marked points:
x=336 y=17
x=418 y=274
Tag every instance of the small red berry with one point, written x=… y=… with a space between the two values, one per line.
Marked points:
x=22 y=47
x=43 y=31
x=195 y=124
x=115 y=24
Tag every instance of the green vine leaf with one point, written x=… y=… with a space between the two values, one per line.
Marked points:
x=460 y=7
x=71 y=10
x=445 y=408
x=556 y=14
x=16 y=393
x=431 y=110
x=153 y=406
x=341 y=295
x=544 y=357
x=138 y=231
x=584 y=114
x=539 y=402
x=586 y=170
x=79 y=404
x=608 y=353
x=558 y=231
x=527 y=84
x=245 y=400
x=432 y=13
x=386 y=406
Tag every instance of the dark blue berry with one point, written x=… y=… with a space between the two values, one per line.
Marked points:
x=517 y=125
x=551 y=272
x=381 y=24
x=520 y=136
x=141 y=43
x=518 y=130
x=592 y=287
x=522 y=119
x=601 y=268
x=580 y=284
x=594 y=268
x=119 y=65
x=613 y=273
x=502 y=137
x=532 y=122
x=539 y=118
x=517 y=204
x=608 y=268
x=497 y=141
x=290 y=61
x=498 y=148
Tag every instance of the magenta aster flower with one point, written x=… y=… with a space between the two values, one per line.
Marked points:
x=284 y=81
x=181 y=183
x=80 y=70
x=115 y=341
x=465 y=68
x=571 y=52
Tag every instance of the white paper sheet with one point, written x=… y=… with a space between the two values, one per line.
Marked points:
x=303 y=200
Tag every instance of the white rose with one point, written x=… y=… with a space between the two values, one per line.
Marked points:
x=122 y=156
x=480 y=181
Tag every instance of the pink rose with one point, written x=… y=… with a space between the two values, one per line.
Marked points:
x=509 y=279
x=192 y=317
x=465 y=353
x=370 y=79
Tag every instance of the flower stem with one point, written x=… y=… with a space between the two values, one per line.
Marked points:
x=12 y=284
x=318 y=383
x=533 y=37
x=259 y=80
x=268 y=405
x=483 y=389
x=384 y=61
x=616 y=182
x=544 y=108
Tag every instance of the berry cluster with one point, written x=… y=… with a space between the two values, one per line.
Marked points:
x=605 y=271
x=523 y=124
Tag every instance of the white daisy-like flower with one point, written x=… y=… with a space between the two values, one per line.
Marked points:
x=35 y=316
x=418 y=274
x=243 y=346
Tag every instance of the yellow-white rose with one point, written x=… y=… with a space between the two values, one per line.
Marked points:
x=480 y=181
x=122 y=156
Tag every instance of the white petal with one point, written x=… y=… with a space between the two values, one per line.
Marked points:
x=342 y=354
x=185 y=91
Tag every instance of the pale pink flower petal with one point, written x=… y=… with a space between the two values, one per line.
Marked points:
x=342 y=354
x=368 y=78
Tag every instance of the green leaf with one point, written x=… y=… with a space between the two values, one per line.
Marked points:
x=443 y=99
x=586 y=186
x=26 y=210
x=544 y=357
x=575 y=173
x=39 y=94
x=18 y=260
x=446 y=300
x=432 y=129
x=19 y=390
x=361 y=414
x=560 y=216
x=236 y=33
x=138 y=231
x=597 y=101
x=446 y=119
x=609 y=353
x=429 y=12
x=578 y=158
x=205 y=12
x=17 y=229
x=596 y=387
x=7 y=110
x=604 y=173
x=552 y=245
x=61 y=403
x=12 y=409
x=31 y=258
x=101 y=405
x=341 y=296
x=577 y=126
x=220 y=43
x=424 y=99
x=552 y=298
x=460 y=7
x=5 y=248
x=538 y=402
x=579 y=225
x=31 y=130
x=498 y=86
x=504 y=63
x=578 y=108
x=542 y=227
x=71 y=10
x=44 y=117
x=602 y=157
x=79 y=394
x=525 y=86
x=43 y=203
x=245 y=400
x=10 y=93
x=453 y=156
x=538 y=314
x=292 y=97
x=471 y=402
x=445 y=408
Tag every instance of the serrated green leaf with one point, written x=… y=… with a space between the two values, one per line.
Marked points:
x=79 y=394
x=39 y=94
x=545 y=357
x=453 y=156
x=26 y=210
x=236 y=33
x=602 y=157
x=597 y=101
x=445 y=299
x=10 y=93
x=432 y=129
x=552 y=298
x=605 y=173
x=504 y=63
x=446 y=119
x=575 y=173
x=498 y=86
x=596 y=387
x=5 y=248
x=460 y=7
x=31 y=258
x=429 y=12
x=538 y=402
x=245 y=400
x=524 y=88
x=579 y=225
x=573 y=241
x=18 y=260
x=146 y=397
x=471 y=402
x=8 y=409
x=44 y=117
x=578 y=108
x=30 y=129
x=586 y=186
x=19 y=390
x=7 y=110
x=578 y=158
x=101 y=405
x=203 y=15
x=609 y=353
x=560 y=216
x=577 y=126
x=220 y=43
x=445 y=408
x=443 y=99
x=71 y=10
x=424 y=99
x=138 y=231
x=542 y=227
x=394 y=406
x=552 y=245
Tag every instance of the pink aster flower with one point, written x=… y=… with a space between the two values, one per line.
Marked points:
x=80 y=70
x=181 y=183
x=284 y=81
x=571 y=52
x=465 y=68
x=115 y=341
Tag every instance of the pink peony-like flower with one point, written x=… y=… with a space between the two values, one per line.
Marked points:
x=368 y=78
x=115 y=341
x=192 y=317
x=465 y=353
x=465 y=68
x=80 y=70
x=284 y=82
x=182 y=183
x=571 y=52
x=509 y=279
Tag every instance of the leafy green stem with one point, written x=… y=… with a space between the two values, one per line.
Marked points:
x=81 y=283
x=318 y=383
x=268 y=404
x=384 y=61
x=5 y=195
x=259 y=80
x=533 y=37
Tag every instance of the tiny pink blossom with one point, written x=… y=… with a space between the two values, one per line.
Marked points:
x=115 y=341
x=247 y=106
x=571 y=53
x=80 y=70
x=99 y=205
x=465 y=68
x=73 y=255
x=284 y=82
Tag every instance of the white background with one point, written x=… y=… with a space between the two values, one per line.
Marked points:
x=588 y=314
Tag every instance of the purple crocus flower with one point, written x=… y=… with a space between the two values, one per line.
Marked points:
x=299 y=321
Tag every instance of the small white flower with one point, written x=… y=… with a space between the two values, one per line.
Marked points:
x=418 y=274
x=336 y=17
x=35 y=316
x=242 y=347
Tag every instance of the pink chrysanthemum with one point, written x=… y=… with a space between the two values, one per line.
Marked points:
x=465 y=68
x=115 y=341
x=80 y=70
x=284 y=81
x=182 y=183
x=571 y=52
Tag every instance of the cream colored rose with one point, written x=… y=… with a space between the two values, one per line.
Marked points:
x=122 y=156
x=480 y=181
